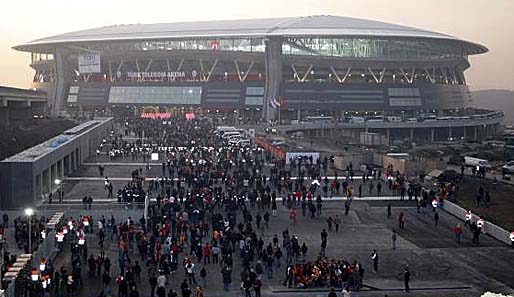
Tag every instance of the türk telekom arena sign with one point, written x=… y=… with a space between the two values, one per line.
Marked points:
x=157 y=75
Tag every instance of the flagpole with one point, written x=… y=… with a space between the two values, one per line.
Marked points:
x=279 y=111
x=267 y=112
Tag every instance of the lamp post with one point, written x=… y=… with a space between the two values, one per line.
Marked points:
x=58 y=183
x=29 y=212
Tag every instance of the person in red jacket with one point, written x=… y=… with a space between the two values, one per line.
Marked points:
x=207 y=254
x=292 y=215
x=458 y=232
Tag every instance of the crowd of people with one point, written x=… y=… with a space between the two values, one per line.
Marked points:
x=211 y=206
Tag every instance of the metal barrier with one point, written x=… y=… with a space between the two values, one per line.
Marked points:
x=46 y=250
x=9 y=291
x=17 y=277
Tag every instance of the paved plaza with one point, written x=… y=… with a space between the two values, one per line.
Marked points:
x=439 y=265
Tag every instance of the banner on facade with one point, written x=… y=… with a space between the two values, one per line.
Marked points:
x=303 y=155
x=89 y=63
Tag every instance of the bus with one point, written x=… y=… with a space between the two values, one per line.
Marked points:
x=318 y=119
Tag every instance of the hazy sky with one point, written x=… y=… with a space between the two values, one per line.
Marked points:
x=488 y=22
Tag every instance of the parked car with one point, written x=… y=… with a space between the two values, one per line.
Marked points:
x=508 y=168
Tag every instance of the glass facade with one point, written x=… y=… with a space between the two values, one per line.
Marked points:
x=347 y=47
x=156 y=95
x=235 y=44
x=371 y=48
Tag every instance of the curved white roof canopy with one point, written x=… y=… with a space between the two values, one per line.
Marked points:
x=333 y=26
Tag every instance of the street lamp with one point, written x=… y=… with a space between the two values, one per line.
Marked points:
x=29 y=212
x=57 y=183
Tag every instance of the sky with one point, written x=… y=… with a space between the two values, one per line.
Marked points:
x=489 y=23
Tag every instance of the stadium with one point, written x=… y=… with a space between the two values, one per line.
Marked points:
x=290 y=68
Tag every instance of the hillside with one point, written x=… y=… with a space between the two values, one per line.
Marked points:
x=497 y=100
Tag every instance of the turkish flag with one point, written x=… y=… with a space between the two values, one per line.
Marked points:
x=215 y=45
x=282 y=102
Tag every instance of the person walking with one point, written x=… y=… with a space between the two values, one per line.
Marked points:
x=374 y=257
x=406 y=278
x=389 y=212
x=324 y=238
x=247 y=285
x=190 y=271
x=337 y=222
x=401 y=220
x=332 y=293
x=6 y=220
x=199 y=292
x=347 y=207
x=292 y=215
x=458 y=232
x=436 y=218
x=257 y=284
x=152 y=281
x=203 y=277
x=185 y=289
x=227 y=277
x=394 y=237
x=161 y=281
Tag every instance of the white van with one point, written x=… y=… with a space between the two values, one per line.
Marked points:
x=228 y=135
x=224 y=129
x=354 y=120
x=239 y=141
x=394 y=119
x=245 y=142
x=375 y=119
x=473 y=162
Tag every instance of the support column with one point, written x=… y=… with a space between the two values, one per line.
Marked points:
x=476 y=133
x=53 y=175
x=450 y=134
x=5 y=119
x=70 y=164
x=273 y=64
x=432 y=135
x=299 y=114
x=388 y=133
x=39 y=182
x=49 y=180
x=56 y=98
x=411 y=133
x=464 y=132
x=61 y=177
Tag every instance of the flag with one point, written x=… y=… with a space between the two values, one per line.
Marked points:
x=215 y=45
x=274 y=103
x=282 y=102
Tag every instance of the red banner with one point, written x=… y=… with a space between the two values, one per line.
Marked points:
x=162 y=115
x=275 y=151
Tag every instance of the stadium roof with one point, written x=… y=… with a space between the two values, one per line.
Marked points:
x=322 y=25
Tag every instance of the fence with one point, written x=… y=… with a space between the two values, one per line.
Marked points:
x=17 y=276
x=489 y=228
